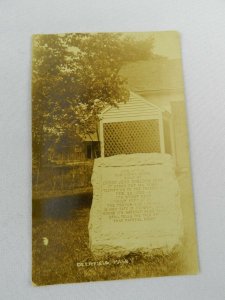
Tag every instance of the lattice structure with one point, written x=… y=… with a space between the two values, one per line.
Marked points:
x=128 y=137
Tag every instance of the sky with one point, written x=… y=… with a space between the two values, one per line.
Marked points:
x=166 y=43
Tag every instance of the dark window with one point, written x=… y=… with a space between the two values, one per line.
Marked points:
x=89 y=151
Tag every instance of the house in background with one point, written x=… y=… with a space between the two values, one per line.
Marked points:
x=153 y=118
x=151 y=121
x=91 y=145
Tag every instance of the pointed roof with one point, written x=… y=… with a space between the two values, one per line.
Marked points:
x=135 y=107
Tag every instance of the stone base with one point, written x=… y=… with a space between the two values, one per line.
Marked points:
x=136 y=205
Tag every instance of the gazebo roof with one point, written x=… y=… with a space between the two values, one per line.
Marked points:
x=135 y=107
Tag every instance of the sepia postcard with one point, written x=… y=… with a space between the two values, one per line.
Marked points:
x=112 y=191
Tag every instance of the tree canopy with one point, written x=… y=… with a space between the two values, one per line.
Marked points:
x=74 y=77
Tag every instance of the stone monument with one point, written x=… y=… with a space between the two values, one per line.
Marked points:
x=136 y=205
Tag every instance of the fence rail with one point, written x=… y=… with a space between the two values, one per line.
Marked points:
x=59 y=179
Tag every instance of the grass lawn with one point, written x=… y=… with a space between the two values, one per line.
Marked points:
x=68 y=245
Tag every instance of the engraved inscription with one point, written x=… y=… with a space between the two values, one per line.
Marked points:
x=136 y=204
x=131 y=197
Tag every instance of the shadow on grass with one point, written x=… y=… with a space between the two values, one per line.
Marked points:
x=67 y=258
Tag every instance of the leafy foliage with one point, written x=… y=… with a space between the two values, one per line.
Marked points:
x=74 y=77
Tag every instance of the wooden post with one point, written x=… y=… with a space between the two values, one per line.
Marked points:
x=101 y=138
x=161 y=135
x=172 y=137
